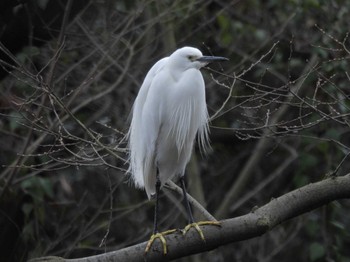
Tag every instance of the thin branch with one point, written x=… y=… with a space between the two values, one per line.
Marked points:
x=258 y=151
x=171 y=185
x=226 y=100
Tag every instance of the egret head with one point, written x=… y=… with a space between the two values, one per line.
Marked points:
x=190 y=57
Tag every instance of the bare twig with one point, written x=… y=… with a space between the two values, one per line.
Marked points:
x=258 y=152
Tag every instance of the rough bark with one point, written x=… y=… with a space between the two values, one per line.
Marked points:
x=257 y=222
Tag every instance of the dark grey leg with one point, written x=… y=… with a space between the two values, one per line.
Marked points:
x=155 y=225
x=186 y=203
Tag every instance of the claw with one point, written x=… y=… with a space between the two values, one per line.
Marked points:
x=161 y=238
x=196 y=226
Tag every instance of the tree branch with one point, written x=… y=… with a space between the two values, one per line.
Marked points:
x=259 y=149
x=251 y=225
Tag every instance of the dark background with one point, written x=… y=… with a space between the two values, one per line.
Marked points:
x=70 y=71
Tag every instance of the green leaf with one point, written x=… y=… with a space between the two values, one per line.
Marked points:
x=226 y=32
x=333 y=134
x=223 y=22
x=43 y=3
x=38 y=187
x=260 y=34
x=28 y=231
x=316 y=251
x=300 y=180
x=312 y=228
x=14 y=120
x=27 y=208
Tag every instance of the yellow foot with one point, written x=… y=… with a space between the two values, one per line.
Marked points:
x=196 y=226
x=161 y=238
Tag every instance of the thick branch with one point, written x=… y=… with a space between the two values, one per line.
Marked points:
x=240 y=228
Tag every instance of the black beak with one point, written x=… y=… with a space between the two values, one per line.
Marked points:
x=209 y=59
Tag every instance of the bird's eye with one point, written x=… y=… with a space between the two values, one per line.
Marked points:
x=190 y=57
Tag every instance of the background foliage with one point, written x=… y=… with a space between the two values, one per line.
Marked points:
x=280 y=120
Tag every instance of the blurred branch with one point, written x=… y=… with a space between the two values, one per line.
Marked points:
x=253 y=224
x=171 y=185
x=271 y=177
x=30 y=146
x=259 y=149
x=19 y=161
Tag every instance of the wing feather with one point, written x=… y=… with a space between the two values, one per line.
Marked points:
x=141 y=156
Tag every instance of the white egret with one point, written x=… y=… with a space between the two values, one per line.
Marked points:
x=168 y=113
